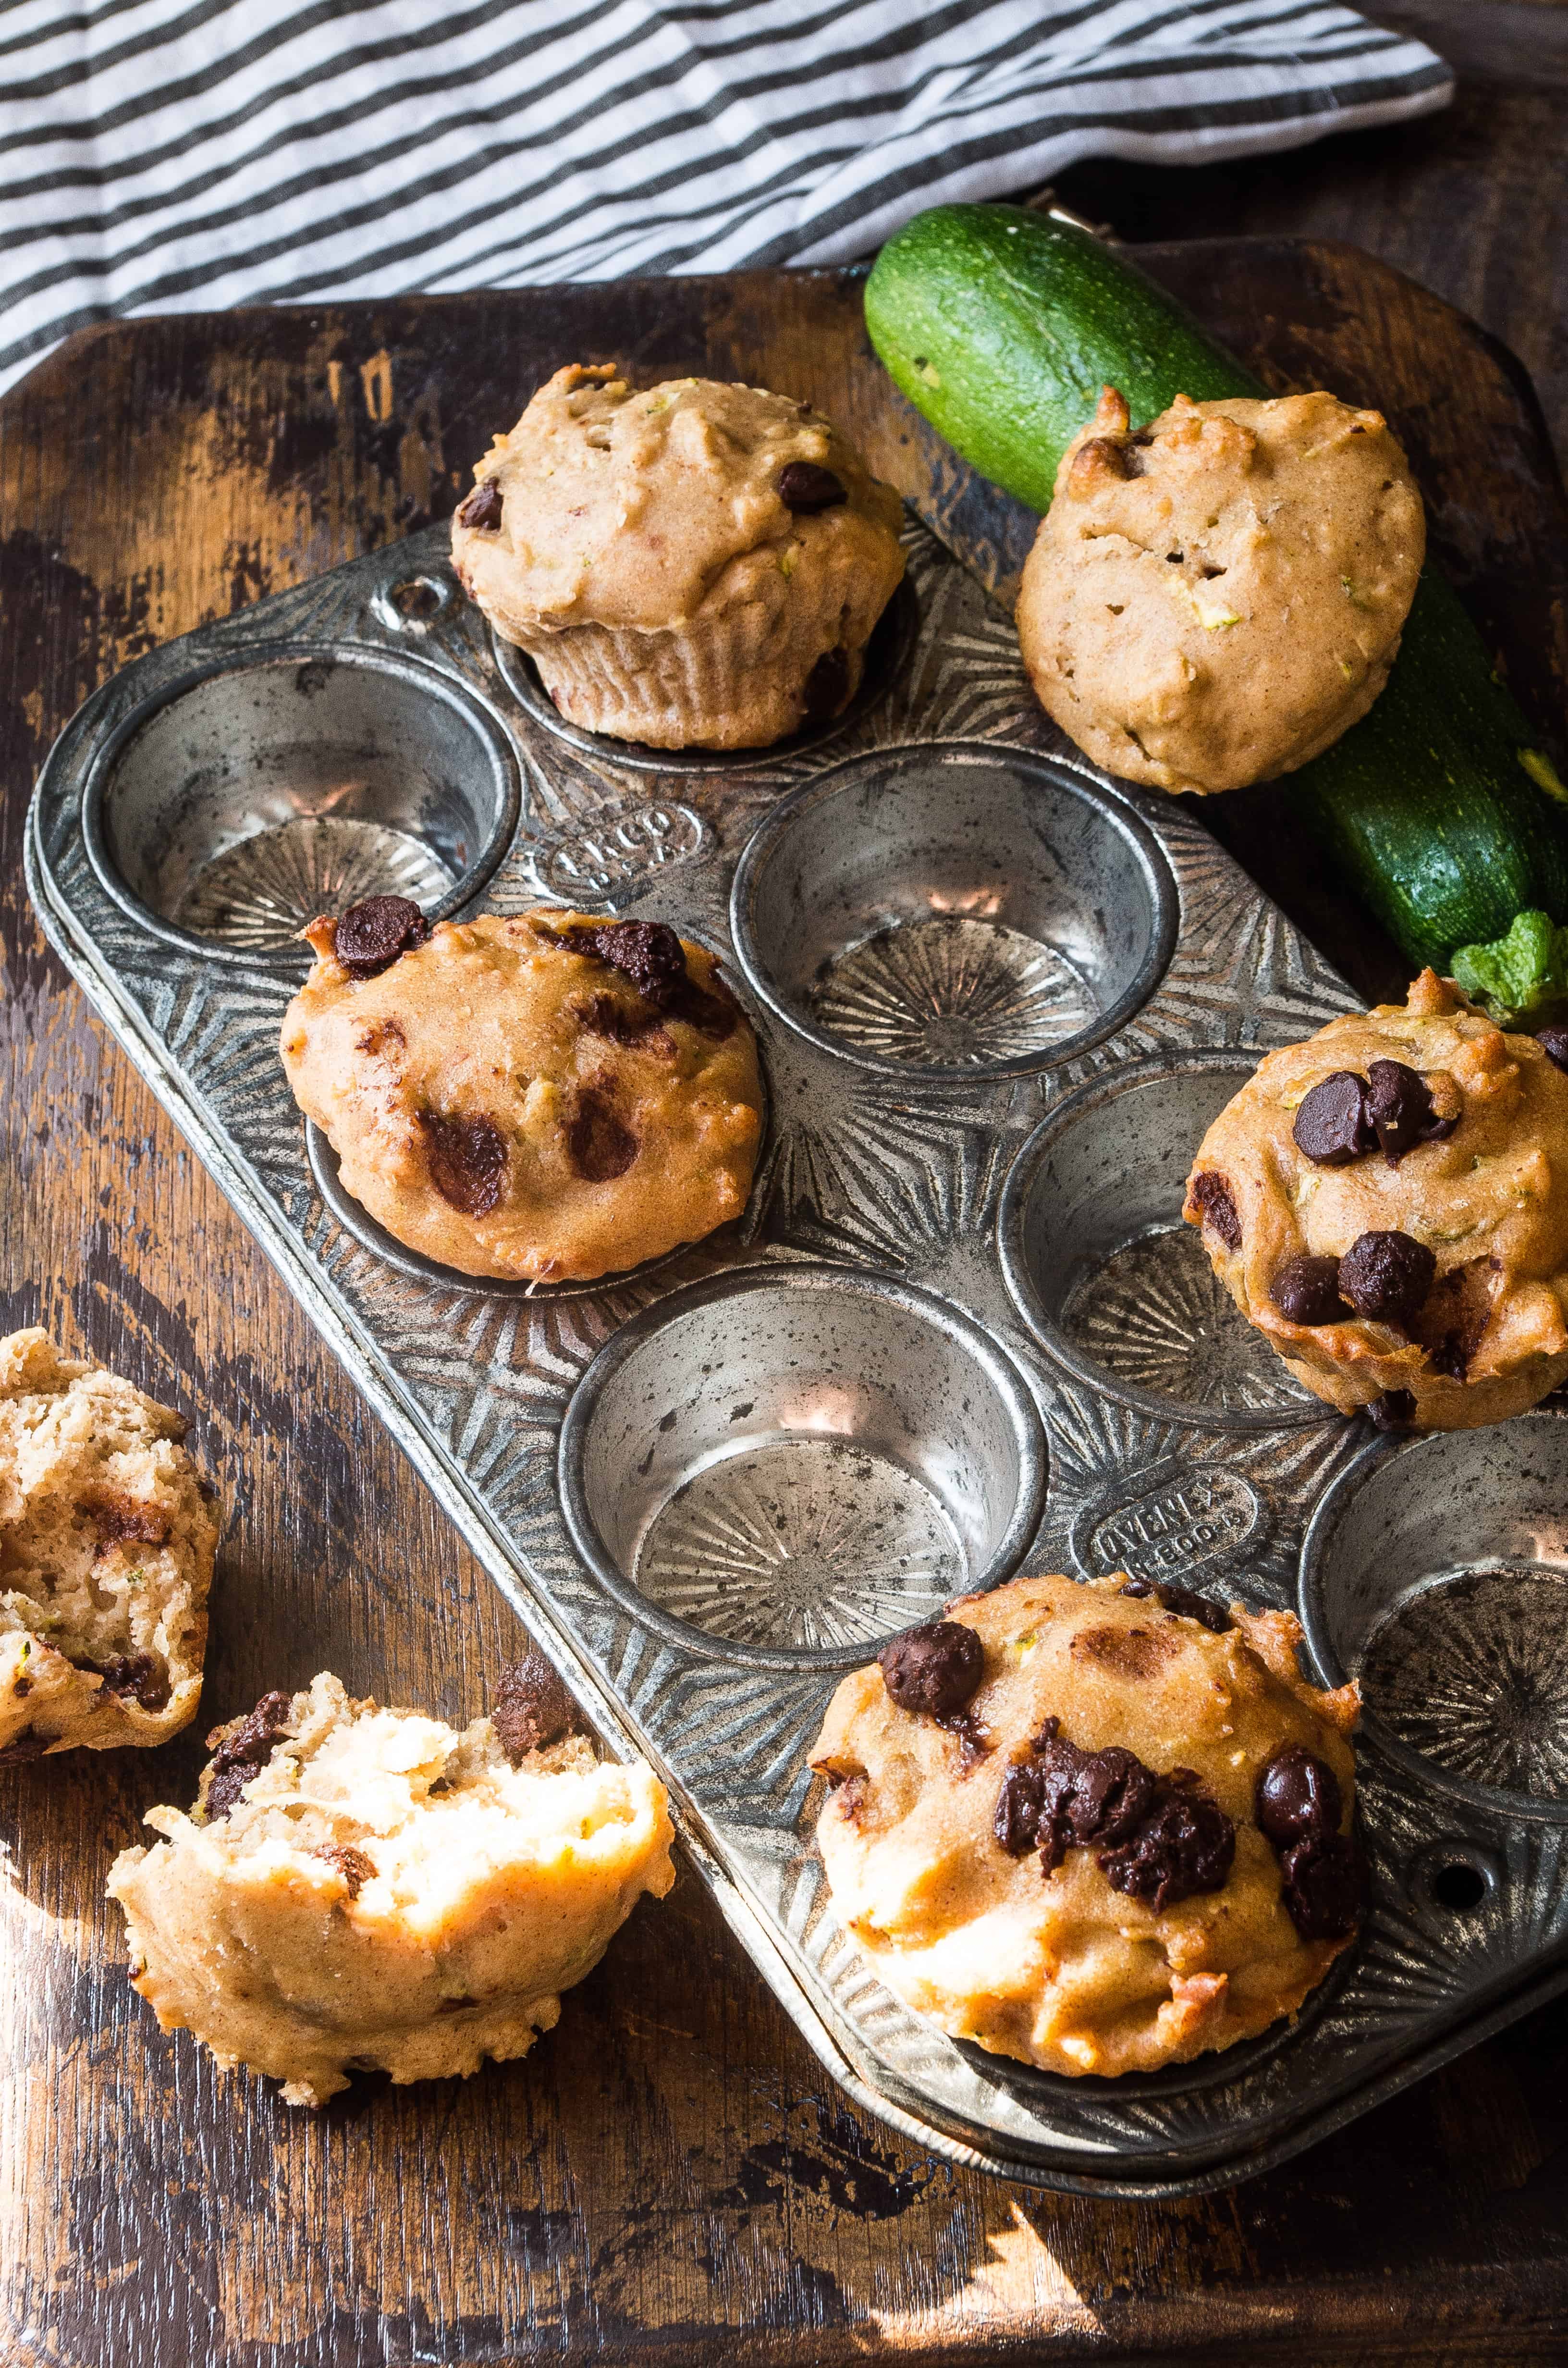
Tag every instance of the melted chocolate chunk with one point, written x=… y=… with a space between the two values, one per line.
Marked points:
x=933 y=1669
x=1090 y=1796
x=1333 y=1124
x=1325 y=1886
x=850 y=1792
x=1185 y=1844
x=1386 y=1276
x=1396 y=1410
x=1060 y=1798
x=1298 y=1794
x=1398 y=1103
x=118 y=1518
x=483 y=508
x=1212 y=1195
x=827 y=685
x=1183 y=1600
x=467 y=1158
x=601 y=1015
x=650 y=955
x=352 y=1864
x=1306 y=1291
x=600 y=1146
x=532 y=1707
x=1554 y=1042
x=806 y=488
x=145 y=1679
x=370 y=936
x=240 y=1753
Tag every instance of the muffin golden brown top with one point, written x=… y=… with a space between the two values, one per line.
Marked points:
x=1214 y=600
x=549 y=1096
x=608 y=506
x=1388 y=1203
x=1097 y=1831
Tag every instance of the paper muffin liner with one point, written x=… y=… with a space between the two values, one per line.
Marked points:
x=737 y=679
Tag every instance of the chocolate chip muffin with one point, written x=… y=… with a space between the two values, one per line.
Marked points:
x=546 y=1098
x=1388 y=1203
x=107 y=1539
x=1098 y=1828
x=1213 y=600
x=364 y=1888
x=694 y=566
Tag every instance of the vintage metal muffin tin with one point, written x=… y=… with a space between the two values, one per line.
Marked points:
x=960 y=1332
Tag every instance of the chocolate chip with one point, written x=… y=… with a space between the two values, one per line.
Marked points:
x=600 y=1146
x=1386 y=1276
x=1186 y=1844
x=1325 y=1886
x=1019 y=1806
x=851 y=1793
x=1554 y=1042
x=1394 y=1410
x=1091 y=1796
x=240 y=1751
x=1333 y=1125
x=482 y=507
x=1298 y=1793
x=467 y=1159
x=1183 y=1600
x=1212 y=1195
x=532 y=1707
x=1062 y=1798
x=1456 y=1315
x=1398 y=1103
x=142 y=1678
x=650 y=955
x=827 y=685
x=352 y=1864
x=370 y=936
x=806 y=488
x=601 y=1015
x=117 y=1517
x=933 y=1669
x=647 y=953
x=1306 y=1291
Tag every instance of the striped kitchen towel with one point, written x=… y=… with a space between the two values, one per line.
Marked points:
x=166 y=154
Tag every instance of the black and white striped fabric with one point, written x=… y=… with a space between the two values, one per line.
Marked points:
x=189 y=153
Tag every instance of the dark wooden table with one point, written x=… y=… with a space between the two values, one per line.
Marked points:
x=670 y=2177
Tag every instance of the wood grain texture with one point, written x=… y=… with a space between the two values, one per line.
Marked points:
x=670 y=2177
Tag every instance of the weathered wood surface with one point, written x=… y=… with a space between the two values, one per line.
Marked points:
x=670 y=2177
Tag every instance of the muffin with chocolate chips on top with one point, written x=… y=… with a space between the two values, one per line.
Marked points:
x=107 y=1538
x=695 y=565
x=1097 y=1827
x=360 y=1887
x=545 y=1098
x=1388 y=1204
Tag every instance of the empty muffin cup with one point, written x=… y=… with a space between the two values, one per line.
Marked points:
x=789 y=1463
x=277 y=784
x=1436 y=1573
x=1103 y=1271
x=954 y=909
x=893 y=638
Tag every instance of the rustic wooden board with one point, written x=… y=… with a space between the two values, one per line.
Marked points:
x=671 y=2176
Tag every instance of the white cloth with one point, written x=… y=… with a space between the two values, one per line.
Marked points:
x=182 y=154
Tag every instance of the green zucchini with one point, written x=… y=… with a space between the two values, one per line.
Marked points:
x=1001 y=325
